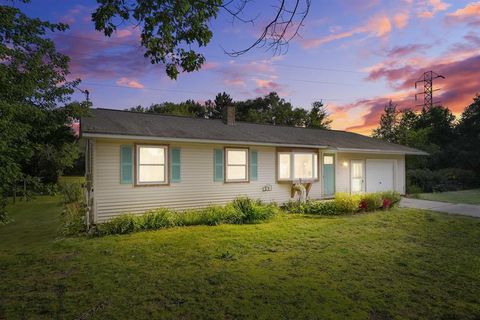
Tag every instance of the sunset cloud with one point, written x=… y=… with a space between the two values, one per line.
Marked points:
x=377 y=26
x=131 y=83
x=401 y=20
x=402 y=51
x=432 y=8
x=469 y=14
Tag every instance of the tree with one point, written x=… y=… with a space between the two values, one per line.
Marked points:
x=318 y=116
x=388 y=127
x=466 y=148
x=215 y=109
x=35 y=138
x=173 y=31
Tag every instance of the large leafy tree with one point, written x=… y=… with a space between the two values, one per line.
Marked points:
x=268 y=109
x=174 y=31
x=35 y=138
x=466 y=149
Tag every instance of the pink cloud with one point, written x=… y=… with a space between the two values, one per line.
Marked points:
x=123 y=33
x=377 y=26
x=469 y=14
x=94 y=56
x=457 y=90
x=401 y=20
x=432 y=7
x=131 y=83
x=402 y=51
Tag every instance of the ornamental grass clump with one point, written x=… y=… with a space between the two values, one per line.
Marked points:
x=242 y=210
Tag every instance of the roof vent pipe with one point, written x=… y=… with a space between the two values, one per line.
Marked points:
x=229 y=115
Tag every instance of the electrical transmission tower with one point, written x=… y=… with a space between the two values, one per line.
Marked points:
x=427 y=79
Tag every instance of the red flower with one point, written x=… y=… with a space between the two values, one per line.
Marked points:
x=363 y=205
x=386 y=204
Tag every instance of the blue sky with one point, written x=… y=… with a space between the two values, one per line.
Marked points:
x=353 y=55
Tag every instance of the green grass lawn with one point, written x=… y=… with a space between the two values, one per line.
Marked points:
x=402 y=264
x=464 y=196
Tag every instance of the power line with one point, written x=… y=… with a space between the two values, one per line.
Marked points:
x=318 y=68
x=183 y=91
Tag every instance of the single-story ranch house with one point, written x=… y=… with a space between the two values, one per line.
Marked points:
x=139 y=161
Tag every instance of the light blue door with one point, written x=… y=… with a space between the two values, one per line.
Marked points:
x=328 y=175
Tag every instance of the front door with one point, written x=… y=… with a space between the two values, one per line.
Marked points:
x=358 y=176
x=328 y=175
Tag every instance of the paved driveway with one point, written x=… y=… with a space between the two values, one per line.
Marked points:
x=463 y=209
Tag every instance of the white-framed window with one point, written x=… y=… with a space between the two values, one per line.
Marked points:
x=152 y=164
x=301 y=165
x=236 y=164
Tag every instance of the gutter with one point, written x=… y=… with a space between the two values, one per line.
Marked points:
x=356 y=150
x=232 y=142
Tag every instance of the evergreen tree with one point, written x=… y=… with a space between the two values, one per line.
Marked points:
x=318 y=116
x=387 y=129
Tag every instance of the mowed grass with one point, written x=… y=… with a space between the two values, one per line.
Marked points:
x=464 y=196
x=402 y=264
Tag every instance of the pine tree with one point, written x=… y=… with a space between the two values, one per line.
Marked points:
x=387 y=129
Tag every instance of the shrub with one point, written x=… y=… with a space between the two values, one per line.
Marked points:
x=250 y=211
x=241 y=210
x=413 y=189
x=156 y=219
x=371 y=201
x=293 y=206
x=346 y=203
x=72 y=192
x=326 y=208
x=392 y=197
x=425 y=180
x=73 y=218
x=123 y=224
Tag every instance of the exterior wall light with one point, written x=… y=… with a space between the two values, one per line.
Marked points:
x=345 y=163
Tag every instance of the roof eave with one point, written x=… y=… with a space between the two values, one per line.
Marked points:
x=357 y=150
x=173 y=139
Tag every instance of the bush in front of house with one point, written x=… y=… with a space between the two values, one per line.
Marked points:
x=325 y=208
x=371 y=201
x=241 y=211
x=344 y=203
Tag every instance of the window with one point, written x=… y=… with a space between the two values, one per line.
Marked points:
x=284 y=166
x=236 y=165
x=297 y=165
x=151 y=164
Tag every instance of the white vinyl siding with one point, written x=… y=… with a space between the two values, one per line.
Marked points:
x=196 y=188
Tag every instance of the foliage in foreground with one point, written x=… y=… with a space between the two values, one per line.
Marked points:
x=403 y=264
x=344 y=203
x=74 y=208
x=241 y=211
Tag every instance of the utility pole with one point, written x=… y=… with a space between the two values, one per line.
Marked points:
x=427 y=79
x=86 y=93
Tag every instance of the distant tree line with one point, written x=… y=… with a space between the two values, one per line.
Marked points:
x=453 y=145
x=269 y=109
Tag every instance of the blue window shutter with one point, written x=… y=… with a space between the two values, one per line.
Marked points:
x=175 y=159
x=218 y=165
x=126 y=164
x=253 y=165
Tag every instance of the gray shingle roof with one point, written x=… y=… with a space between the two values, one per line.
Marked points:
x=124 y=123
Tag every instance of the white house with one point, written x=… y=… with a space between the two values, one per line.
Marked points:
x=140 y=161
